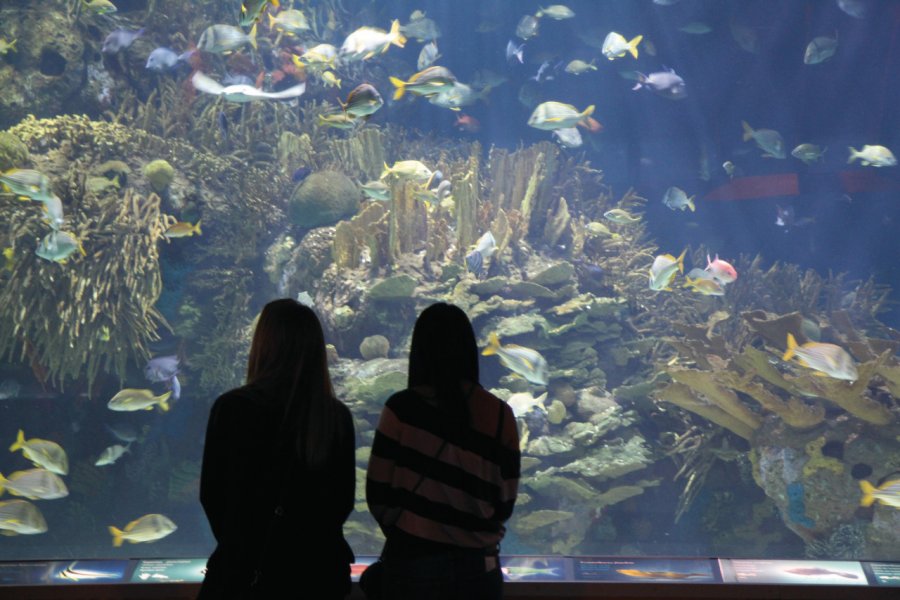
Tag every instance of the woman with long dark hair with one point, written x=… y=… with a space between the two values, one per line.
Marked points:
x=444 y=470
x=279 y=474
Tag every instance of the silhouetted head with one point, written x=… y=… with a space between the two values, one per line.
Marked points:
x=443 y=354
x=288 y=345
x=288 y=358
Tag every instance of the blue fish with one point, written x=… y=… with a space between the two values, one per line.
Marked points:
x=165 y=59
x=164 y=369
x=119 y=40
x=300 y=174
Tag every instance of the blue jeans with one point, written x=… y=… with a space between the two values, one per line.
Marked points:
x=462 y=575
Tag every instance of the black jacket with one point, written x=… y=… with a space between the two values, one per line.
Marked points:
x=245 y=474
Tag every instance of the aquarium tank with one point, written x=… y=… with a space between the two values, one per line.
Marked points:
x=683 y=212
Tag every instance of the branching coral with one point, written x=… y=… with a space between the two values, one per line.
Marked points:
x=94 y=312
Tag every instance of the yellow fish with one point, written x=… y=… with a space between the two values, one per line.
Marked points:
x=130 y=399
x=99 y=7
x=148 y=528
x=888 y=493
x=827 y=359
x=21 y=517
x=34 y=484
x=42 y=453
x=182 y=229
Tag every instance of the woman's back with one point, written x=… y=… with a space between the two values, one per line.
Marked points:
x=468 y=475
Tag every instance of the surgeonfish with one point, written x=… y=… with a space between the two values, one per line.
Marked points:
x=521 y=360
x=828 y=359
x=667 y=84
x=119 y=40
x=363 y=101
x=43 y=453
x=148 y=528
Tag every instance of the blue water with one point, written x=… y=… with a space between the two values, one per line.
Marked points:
x=647 y=143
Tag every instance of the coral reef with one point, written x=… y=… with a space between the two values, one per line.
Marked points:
x=323 y=198
x=160 y=174
x=728 y=371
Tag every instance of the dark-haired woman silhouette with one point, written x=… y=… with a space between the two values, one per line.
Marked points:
x=278 y=478
x=444 y=469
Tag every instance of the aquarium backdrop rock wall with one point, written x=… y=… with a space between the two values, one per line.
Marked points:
x=654 y=201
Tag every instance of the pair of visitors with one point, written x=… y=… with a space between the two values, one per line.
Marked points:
x=278 y=477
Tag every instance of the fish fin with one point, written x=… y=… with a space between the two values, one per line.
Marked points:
x=253 y=37
x=854 y=154
x=493 y=345
x=401 y=87
x=196 y=229
x=271 y=20
x=163 y=401
x=680 y=261
x=868 y=491
x=19 y=443
x=691 y=204
x=791 y=347
x=397 y=38
x=748 y=131
x=117 y=536
x=633 y=45
x=3 y=482
x=386 y=172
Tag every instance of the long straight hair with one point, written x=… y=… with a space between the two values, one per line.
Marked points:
x=288 y=355
x=444 y=354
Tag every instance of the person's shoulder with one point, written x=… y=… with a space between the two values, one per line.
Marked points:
x=242 y=397
x=401 y=398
